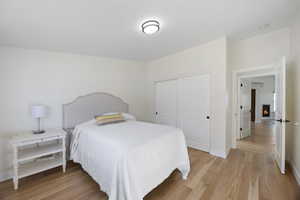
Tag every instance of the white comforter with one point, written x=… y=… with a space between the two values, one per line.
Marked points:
x=131 y=158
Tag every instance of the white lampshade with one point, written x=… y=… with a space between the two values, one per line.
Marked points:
x=38 y=111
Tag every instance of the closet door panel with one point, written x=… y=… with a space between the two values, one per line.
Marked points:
x=166 y=103
x=194 y=109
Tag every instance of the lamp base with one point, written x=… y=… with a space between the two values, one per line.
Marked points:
x=39 y=132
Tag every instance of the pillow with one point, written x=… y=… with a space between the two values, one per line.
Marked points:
x=108 y=116
x=111 y=113
x=128 y=116
x=109 y=119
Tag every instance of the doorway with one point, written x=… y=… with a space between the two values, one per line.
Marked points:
x=257 y=125
x=277 y=70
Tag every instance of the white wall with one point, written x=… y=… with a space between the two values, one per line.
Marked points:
x=294 y=99
x=228 y=97
x=259 y=50
x=32 y=76
x=210 y=59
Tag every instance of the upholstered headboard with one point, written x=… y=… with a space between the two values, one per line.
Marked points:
x=86 y=107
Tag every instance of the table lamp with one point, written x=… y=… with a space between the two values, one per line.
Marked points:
x=38 y=112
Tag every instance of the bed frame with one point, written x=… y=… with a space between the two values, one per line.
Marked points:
x=85 y=108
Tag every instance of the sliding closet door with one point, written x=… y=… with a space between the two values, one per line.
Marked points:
x=194 y=107
x=166 y=103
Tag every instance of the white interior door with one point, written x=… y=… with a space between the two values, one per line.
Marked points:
x=194 y=107
x=245 y=109
x=166 y=102
x=280 y=115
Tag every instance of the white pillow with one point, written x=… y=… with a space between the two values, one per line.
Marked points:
x=111 y=113
x=128 y=116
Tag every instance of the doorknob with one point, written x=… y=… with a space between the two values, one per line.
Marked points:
x=207 y=117
x=281 y=120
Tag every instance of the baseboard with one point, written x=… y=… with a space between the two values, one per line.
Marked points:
x=295 y=171
x=194 y=144
x=227 y=152
x=219 y=154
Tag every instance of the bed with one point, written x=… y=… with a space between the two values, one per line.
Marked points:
x=127 y=159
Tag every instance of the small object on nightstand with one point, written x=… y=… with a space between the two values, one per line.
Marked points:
x=34 y=153
x=38 y=111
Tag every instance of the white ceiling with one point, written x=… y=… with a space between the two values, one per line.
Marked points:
x=111 y=27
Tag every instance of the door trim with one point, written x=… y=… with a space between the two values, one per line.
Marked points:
x=237 y=75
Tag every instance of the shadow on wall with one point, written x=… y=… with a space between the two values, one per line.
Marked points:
x=5 y=156
x=292 y=106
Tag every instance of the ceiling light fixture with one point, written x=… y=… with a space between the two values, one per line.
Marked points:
x=150 y=27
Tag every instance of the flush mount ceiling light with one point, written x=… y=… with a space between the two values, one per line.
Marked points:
x=150 y=27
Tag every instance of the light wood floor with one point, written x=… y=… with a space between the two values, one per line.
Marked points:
x=261 y=139
x=249 y=173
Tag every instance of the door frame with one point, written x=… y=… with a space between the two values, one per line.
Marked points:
x=266 y=70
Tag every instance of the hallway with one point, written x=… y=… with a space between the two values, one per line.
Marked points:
x=261 y=139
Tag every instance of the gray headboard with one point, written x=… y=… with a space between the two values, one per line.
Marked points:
x=86 y=107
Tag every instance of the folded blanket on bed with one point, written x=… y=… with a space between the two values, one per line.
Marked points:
x=108 y=119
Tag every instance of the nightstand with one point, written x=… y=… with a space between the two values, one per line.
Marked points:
x=36 y=153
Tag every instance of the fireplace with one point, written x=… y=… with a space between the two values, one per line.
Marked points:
x=266 y=110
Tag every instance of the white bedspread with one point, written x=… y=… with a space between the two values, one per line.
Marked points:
x=131 y=158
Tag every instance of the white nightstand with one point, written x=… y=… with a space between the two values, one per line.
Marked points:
x=31 y=153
